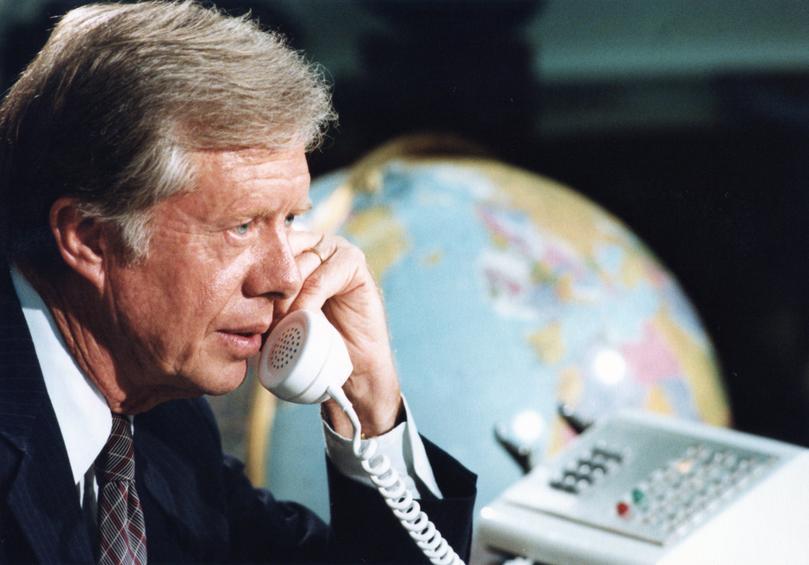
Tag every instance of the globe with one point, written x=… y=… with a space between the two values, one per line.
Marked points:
x=507 y=293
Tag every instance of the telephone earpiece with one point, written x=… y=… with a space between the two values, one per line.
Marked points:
x=303 y=357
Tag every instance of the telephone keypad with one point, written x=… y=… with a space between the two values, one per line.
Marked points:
x=678 y=496
x=668 y=500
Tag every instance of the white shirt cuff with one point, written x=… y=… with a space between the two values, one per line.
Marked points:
x=402 y=445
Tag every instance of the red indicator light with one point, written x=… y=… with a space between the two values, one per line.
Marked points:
x=622 y=508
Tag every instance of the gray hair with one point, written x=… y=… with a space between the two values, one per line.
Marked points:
x=121 y=93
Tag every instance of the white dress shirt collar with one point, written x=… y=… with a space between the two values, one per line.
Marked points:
x=81 y=411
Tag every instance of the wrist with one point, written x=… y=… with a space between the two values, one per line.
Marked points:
x=376 y=417
x=382 y=420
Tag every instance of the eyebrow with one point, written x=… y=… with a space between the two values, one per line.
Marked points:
x=303 y=209
x=297 y=210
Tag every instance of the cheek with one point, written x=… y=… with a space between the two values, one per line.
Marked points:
x=150 y=310
x=164 y=303
x=174 y=303
x=220 y=286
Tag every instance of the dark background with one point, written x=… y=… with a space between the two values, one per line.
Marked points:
x=689 y=120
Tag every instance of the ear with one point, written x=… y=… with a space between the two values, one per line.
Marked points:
x=82 y=241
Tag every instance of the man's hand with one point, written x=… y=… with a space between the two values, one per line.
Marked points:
x=336 y=279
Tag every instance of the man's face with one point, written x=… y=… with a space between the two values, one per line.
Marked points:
x=195 y=309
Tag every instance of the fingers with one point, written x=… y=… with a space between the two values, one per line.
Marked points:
x=340 y=272
x=327 y=265
x=314 y=255
x=299 y=241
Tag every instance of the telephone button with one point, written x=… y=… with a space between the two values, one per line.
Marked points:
x=564 y=485
x=638 y=496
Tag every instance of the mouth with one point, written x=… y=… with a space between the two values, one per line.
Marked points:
x=243 y=342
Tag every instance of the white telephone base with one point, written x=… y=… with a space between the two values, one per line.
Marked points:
x=639 y=488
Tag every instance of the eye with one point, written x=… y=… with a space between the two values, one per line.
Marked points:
x=242 y=229
x=289 y=220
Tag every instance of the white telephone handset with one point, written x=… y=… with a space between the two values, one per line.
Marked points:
x=305 y=360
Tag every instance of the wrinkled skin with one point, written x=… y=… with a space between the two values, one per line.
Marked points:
x=224 y=263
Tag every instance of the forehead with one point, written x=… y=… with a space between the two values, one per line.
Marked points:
x=237 y=185
x=251 y=166
x=227 y=178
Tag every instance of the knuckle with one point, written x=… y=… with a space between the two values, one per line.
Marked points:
x=357 y=254
x=350 y=251
x=341 y=242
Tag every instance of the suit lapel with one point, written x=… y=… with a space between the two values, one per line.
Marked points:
x=180 y=473
x=42 y=495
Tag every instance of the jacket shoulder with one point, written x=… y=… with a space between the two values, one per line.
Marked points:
x=188 y=425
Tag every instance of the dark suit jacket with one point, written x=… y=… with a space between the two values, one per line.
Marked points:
x=198 y=505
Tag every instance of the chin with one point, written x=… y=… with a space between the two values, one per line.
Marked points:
x=226 y=380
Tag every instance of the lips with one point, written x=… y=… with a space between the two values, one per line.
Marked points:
x=247 y=330
x=243 y=342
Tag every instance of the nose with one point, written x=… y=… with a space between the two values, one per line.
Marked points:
x=274 y=273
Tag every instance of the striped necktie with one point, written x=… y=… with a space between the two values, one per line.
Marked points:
x=121 y=531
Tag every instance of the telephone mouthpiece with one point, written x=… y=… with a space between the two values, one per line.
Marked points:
x=303 y=356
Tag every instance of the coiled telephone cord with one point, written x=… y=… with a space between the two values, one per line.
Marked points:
x=396 y=494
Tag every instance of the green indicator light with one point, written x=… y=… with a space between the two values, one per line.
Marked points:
x=638 y=496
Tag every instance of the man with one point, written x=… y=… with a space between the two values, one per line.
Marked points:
x=152 y=164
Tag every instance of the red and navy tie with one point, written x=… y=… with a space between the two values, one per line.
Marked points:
x=121 y=531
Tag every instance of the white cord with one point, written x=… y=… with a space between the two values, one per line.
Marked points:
x=396 y=494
